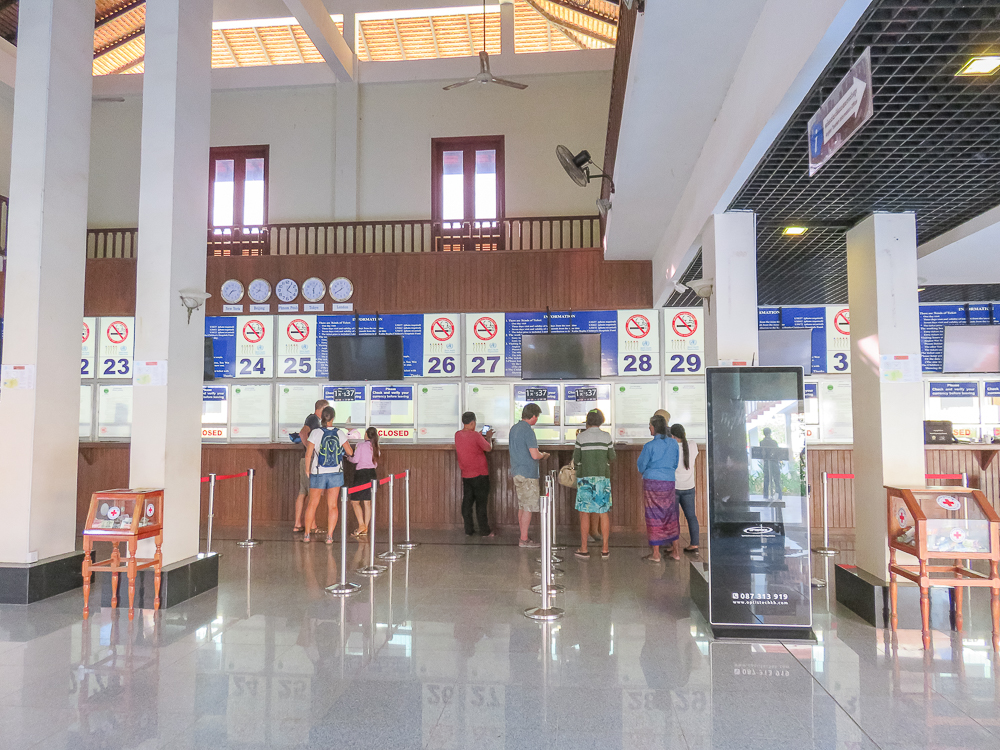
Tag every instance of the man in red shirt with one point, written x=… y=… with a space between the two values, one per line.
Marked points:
x=471 y=448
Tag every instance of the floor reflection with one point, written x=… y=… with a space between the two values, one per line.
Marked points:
x=436 y=653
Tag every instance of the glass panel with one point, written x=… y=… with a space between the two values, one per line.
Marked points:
x=486 y=184
x=253 y=193
x=295 y=403
x=452 y=187
x=222 y=193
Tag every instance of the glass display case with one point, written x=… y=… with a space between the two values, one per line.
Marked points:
x=956 y=524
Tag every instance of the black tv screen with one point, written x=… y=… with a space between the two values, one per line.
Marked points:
x=972 y=348
x=365 y=357
x=560 y=356
x=786 y=347
x=209 y=359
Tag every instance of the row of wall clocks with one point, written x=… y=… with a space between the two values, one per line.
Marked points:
x=287 y=290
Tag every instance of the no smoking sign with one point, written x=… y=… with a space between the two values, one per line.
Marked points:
x=442 y=329
x=684 y=324
x=485 y=329
x=117 y=332
x=842 y=322
x=637 y=326
x=253 y=331
x=298 y=331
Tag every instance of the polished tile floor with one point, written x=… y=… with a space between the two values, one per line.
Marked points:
x=435 y=653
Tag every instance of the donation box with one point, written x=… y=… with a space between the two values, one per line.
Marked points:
x=758 y=506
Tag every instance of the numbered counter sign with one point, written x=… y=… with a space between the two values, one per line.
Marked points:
x=255 y=346
x=638 y=343
x=114 y=361
x=296 y=346
x=484 y=345
x=442 y=346
x=89 y=348
x=684 y=337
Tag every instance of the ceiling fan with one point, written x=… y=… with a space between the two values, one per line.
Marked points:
x=484 y=75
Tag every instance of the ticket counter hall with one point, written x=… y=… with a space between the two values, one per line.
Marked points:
x=779 y=211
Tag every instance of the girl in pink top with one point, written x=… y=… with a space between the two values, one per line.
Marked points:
x=365 y=460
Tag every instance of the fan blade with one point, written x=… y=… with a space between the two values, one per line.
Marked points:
x=512 y=84
x=451 y=86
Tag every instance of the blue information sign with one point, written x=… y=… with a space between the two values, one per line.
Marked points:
x=530 y=393
x=604 y=322
x=410 y=327
x=992 y=389
x=769 y=318
x=933 y=319
x=954 y=390
x=223 y=333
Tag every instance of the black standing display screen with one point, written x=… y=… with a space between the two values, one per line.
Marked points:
x=547 y=356
x=365 y=357
x=758 y=507
x=209 y=374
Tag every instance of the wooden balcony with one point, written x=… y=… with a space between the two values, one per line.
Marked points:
x=374 y=237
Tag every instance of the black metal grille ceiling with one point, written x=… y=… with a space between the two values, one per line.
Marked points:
x=932 y=147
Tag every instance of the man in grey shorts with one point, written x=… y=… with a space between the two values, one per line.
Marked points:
x=524 y=458
x=311 y=423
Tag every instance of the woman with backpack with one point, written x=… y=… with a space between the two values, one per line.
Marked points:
x=684 y=483
x=324 y=457
x=365 y=460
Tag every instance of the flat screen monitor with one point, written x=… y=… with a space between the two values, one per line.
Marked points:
x=559 y=356
x=209 y=359
x=972 y=348
x=365 y=357
x=786 y=347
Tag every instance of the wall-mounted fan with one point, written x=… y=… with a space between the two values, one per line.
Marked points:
x=578 y=168
x=484 y=75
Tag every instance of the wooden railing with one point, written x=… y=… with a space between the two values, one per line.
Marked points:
x=373 y=237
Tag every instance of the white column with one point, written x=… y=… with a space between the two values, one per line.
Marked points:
x=888 y=416
x=345 y=142
x=173 y=216
x=50 y=161
x=506 y=27
x=729 y=259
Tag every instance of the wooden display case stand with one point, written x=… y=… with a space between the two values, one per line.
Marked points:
x=123 y=517
x=965 y=515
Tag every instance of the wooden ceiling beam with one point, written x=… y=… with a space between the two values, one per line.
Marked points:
x=131 y=36
x=118 y=13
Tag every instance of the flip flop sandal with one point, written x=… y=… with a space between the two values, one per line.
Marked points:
x=605 y=555
x=582 y=555
x=329 y=539
x=357 y=532
x=691 y=549
x=297 y=529
x=306 y=538
x=649 y=559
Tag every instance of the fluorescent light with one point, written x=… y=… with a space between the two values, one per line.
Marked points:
x=794 y=231
x=980 y=66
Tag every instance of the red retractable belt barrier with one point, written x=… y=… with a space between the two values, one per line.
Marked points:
x=400 y=475
x=840 y=476
x=926 y=476
x=360 y=488
x=219 y=477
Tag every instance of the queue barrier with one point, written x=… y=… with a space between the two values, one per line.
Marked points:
x=546 y=612
x=212 y=479
x=829 y=551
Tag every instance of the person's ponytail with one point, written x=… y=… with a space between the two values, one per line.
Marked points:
x=677 y=430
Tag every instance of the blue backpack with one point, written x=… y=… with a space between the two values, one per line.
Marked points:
x=330 y=450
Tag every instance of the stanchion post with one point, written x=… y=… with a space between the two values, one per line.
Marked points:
x=343 y=588
x=211 y=508
x=826 y=549
x=390 y=554
x=249 y=541
x=546 y=611
x=553 y=485
x=409 y=543
x=965 y=479
x=372 y=569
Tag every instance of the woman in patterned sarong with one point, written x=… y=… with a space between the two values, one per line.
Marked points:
x=657 y=463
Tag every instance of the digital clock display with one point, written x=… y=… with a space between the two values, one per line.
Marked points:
x=586 y=394
x=536 y=394
x=343 y=394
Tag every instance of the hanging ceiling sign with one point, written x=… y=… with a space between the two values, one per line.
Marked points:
x=842 y=114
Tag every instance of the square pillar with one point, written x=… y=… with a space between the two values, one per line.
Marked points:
x=47 y=240
x=173 y=221
x=729 y=260
x=888 y=416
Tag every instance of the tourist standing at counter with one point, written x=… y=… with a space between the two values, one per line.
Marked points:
x=684 y=483
x=311 y=423
x=592 y=457
x=524 y=458
x=324 y=454
x=365 y=460
x=658 y=463
x=471 y=448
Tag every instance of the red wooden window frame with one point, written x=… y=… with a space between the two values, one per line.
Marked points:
x=239 y=155
x=469 y=145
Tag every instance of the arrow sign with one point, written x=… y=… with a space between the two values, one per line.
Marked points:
x=842 y=114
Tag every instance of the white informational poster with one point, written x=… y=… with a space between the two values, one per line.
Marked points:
x=86 y=412
x=955 y=401
x=117 y=341
x=214 y=412
x=684 y=341
x=687 y=404
x=296 y=346
x=114 y=412
x=638 y=343
x=547 y=398
x=88 y=353
x=835 y=416
x=439 y=411
x=149 y=372
x=392 y=405
x=254 y=346
x=492 y=406
x=838 y=339
x=484 y=345
x=635 y=403
x=350 y=403
x=295 y=403
x=250 y=412
x=442 y=346
x=900 y=368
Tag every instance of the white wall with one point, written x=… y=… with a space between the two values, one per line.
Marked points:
x=6 y=134
x=397 y=124
x=399 y=120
